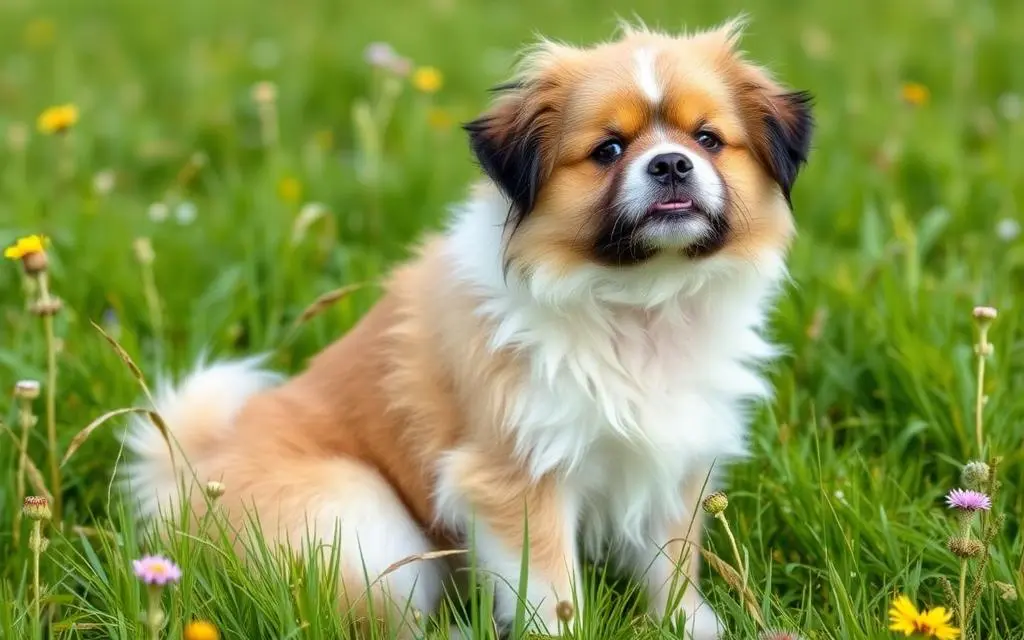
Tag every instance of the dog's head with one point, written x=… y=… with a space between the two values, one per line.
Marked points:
x=648 y=146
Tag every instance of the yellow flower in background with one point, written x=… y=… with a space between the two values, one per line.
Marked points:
x=57 y=119
x=201 y=630
x=427 y=79
x=289 y=189
x=25 y=246
x=40 y=33
x=440 y=120
x=934 y=623
x=915 y=93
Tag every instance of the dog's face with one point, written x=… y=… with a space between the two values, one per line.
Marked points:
x=645 y=147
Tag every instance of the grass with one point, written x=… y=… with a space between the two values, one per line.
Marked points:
x=900 y=212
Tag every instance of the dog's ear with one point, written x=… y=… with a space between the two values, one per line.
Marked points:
x=788 y=128
x=515 y=140
x=510 y=143
x=783 y=126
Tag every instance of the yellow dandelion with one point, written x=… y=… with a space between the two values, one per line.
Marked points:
x=915 y=94
x=289 y=189
x=440 y=120
x=57 y=119
x=427 y=79
x=201 y=630
x=933 y=623
x=25 y=247
x=40 y=33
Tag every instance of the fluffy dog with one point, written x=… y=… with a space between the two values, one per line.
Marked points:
x=570 y=358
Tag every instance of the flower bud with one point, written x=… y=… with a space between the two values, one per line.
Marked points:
x=26 y=389
x=264 y=93
x=716 y=503
x=214 y=489
x=36 y=508
x=965 y=547
x=565 y=611
x=37 y=543
x=975 y=475
x=35 y=262
x=983 y=316
x=143 y=250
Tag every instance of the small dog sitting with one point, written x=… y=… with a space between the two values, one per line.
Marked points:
x=575 y=353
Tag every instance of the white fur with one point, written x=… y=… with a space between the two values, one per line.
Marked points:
x=542 y=592
x=639 y=192
x=647 y=74
x=640 y=377
x=205 y=403
x=374 y=530
x=365 y=516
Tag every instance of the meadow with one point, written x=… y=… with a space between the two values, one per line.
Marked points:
x=231 y=162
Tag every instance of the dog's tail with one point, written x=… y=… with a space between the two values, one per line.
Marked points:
x=199 y=414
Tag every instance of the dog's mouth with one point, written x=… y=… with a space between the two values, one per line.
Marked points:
x=677 y=208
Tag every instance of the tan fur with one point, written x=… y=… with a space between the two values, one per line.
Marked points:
x=707 y=81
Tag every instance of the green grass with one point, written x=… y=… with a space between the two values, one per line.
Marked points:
x=839 y=506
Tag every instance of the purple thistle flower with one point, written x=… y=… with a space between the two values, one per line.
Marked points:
x=156 y=570
x=967 y=500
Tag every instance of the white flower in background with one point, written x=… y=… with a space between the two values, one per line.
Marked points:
x=379 y=54
x=185 y=213
x=1008 y=229
x=104 y=181
x=1010 y=106
x=158 y=212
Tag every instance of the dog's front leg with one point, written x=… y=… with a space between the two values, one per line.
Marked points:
x=670 y=568
x=501 y=508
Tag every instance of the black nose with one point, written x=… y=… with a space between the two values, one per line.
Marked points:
x=669 y=167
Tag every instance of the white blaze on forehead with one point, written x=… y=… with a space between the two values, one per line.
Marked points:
x=647 y=75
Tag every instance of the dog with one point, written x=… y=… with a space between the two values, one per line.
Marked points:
x=565 y=365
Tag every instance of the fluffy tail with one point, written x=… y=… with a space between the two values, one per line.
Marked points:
x=199 y=413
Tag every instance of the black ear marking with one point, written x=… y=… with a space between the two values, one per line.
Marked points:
x=507 y=145
x=789 y=127
x=511 y=158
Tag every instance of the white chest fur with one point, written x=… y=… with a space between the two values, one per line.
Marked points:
x=628 y=402
x=638 y=379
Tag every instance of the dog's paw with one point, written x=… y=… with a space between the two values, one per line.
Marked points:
x=695 y=620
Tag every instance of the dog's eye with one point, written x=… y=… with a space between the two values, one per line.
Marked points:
x=608 y=152
x=709 y=140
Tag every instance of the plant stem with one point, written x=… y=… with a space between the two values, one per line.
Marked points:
x=979 y=401
x=149 y=290
x=37 y=549
x=51 y=400
x=27 y=420
x=963 y=598
x=154 y=616
x=740 y=565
